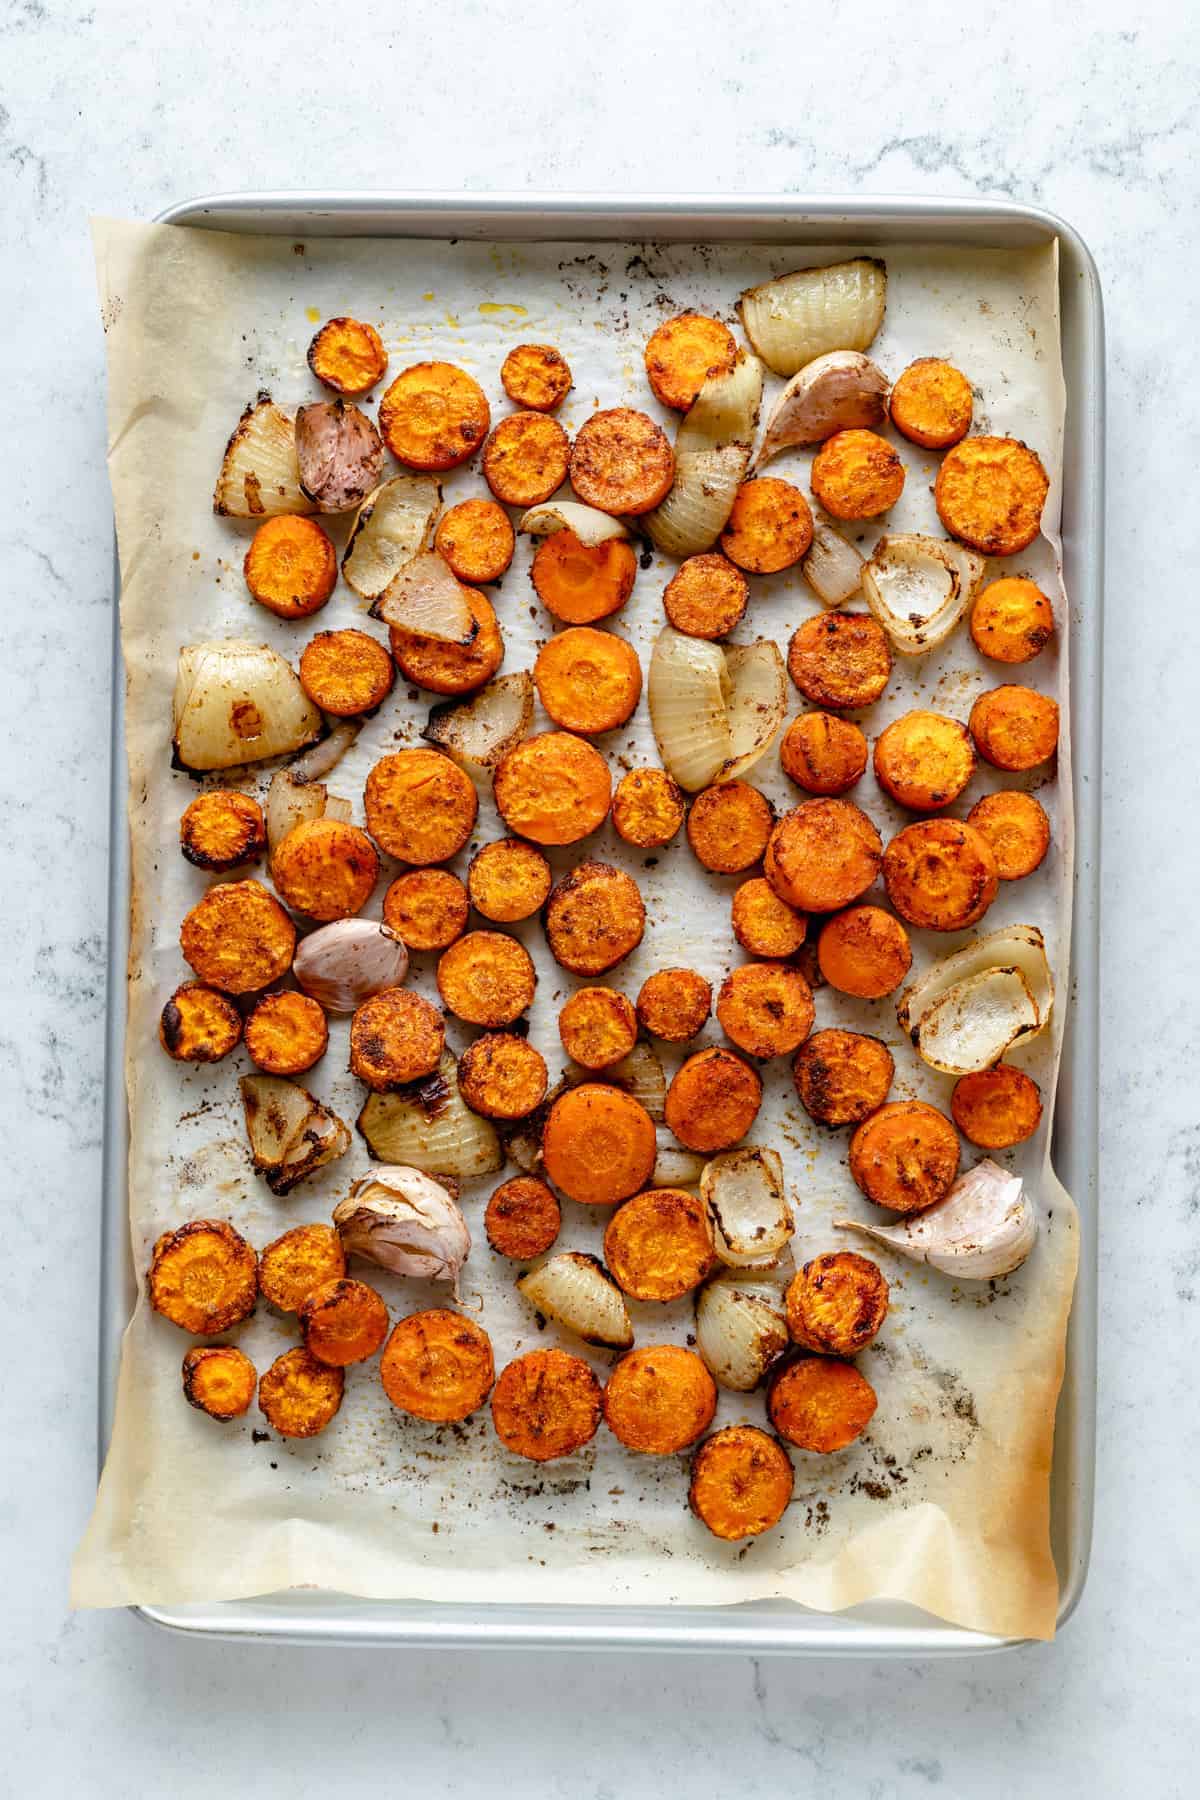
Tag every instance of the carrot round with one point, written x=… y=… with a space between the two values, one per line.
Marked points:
x=865 y=952
x=286 y=1033
x=741 y=1483
x=770 y=527
x=822 y=855
x=222 y=829
x=840 y=660
x=621 y=462
x=1012 y=621
x=427 y=908
x=1015 y=825
x=857 y=475
x=433 y=416
x=219 y=1380
x=597 y=1026
x=437 y=1365
x=525 y=458
x=763 y=924
x=581 y=583
x=304 y=1258
x=395 y=1037
x=598 y=1145
x=346 y=672
x=659 y=1245
x=452 y=668
x=842 y=1077
x=682 y=353
x=522 y=1219
x=348 y=356
x=486 y=978
x=728 y=827
x=476 y=540
x=420 y=807
x=326 y=869
x=706 y=596
x=554 y=788
x=298 y=1395
x=343 y=1322
x=546 y=1405
x=587 y=680
x=502 y=1076
x=536 y=376
x=931 y=403
x=203 y=1277
x=990 y=492
x=658 y=1400
x=713 y=1100
x=291 y=566
x=822 y=753
x=924 y=760
x=508 y=880
x=238 y=938
x=647 y=808
x=820 y=1405
x=997 y=1108
x=905 y=1156
x=594 y=918
x=674 y=1004
x=765 y=1008
x=836 y=1303
x=940 y=874
x=199 y=1025
x=1015 y=727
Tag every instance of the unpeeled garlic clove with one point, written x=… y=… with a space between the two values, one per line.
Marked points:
x=841 y=391
x=406 y=1222
x=984 y=1228
x=343 y=964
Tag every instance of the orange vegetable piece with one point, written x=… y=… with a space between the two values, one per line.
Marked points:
x=546 y=1405
x=865 y=952
x=990 y=492
x=940 y=874
x=433 y=416
x=346 y=672
x=1016 y=826
x=820 y=1405
x=674 y=1004
x=598 y=1026
x=325 y=869
x=238 y=938
x=1015 y=727
x=203 y=1277
x=299 y=1396
x=452 y=668
x=221 y=829
x=997 y=1108
x=713 y=1100
x=286 y=1033
x=728 y=827
x=304 y=1258
x=924 y=760
x=582 y=583
x=1012 y=621
x=594 y=918
x=763 y=924
x=857 y=475
x=741 y=1483
x=621 y=462
x=822 y=855
x=437 y=1365
x=659 y=1245
x=502 y=1076
x=905 y=1156
x=588 y=680
x=420 y=807
x=199 y=1025
x=658 y=1400
x=525 y=459
x=291 y=566
x=343 y=1322
x=536 y=376
x=476 y=540
x=706 y=597
x=842 y=1077
x=770 y=527
x=219 y=1380
x=822 y=753
x=348 y=356
x=427 y=909
x=395 y=1037
x=598 y=1145
x=931 y=403
x=840 y=660
x=486 y=978
x=765 y=1008
x=836 y=1303
x=554 y=788
x=682 y=353
x=523 y=1218
x=647 y=808
x=508 y=880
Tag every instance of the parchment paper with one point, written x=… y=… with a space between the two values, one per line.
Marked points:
x=944 y=1502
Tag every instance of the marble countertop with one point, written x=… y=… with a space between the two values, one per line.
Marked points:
x=113 y=108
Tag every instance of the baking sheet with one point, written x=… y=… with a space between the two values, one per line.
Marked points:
x=945 y=1502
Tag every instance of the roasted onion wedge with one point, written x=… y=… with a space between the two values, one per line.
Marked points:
x=590 y=525
x=832 y=567
x=427 y=598
x=741 y=1328
x=744 y=1193
x=842 y=391
x=393 y=524
x=260 y=471
x=715 y=711
x=577 y=1290
x=798 y=317
x=481 y=730
x=236 y=702
x=640 y=1074
x=429 y=1126
x=291 y=1134
x=712 y=454
x=918 y=588
x=969 y=1024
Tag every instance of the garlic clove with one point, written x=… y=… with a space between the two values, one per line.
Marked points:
x=344 y=963
x=405 y=1222
x=840 y=391
x=984 y=1228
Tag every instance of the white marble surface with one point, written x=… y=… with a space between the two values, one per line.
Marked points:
x=122 y=108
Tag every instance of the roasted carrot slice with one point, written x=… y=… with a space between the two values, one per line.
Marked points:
x=299 y=1396
x=437 y=1365
x=741 y=1482
x=286 y=1033
x=822 y=753
x=238 y=938
x=1012 y=621
x=598 y=1145
x=822 y=855
x=523 y=1218
x=420 y=807
x=199 y=1025
x=346 y=672
x=728 y=827
x=304 y=1258
x=842 y=1077
x=508 y=880
x=326 y=869
x=395 y=1037
x=343 y=1322
x=659 y=1245
x=221 y=829
x=990 y=492
x=682 y=353
x=1015 y=727
x=658 y=1400
x=594 y=918
x=924 y=760
x=905 y=1156
x=706 y=596
x=940 y=874
x=822 y=1405
x=1016 y=826
x=931 y=403
x=219 y=1380
x=427 y=908
x=674 y=1004
x=865 y=952
x=433 y=416
x=997 y=1108
x=588 y=681
x=452 y=668
x=770 y=527
x=476 y=539
x=621 y=462
x=765 y=1008
x=553 y=788
x=537 y=376
x=546 y=1405
x=647 y=808
x=597 y=1026
x=840 y=660
x=291 y=566
x=836 y=1303
x=713 y=1100
x=486 y=978
x=203 y=1277
x=857 y=475
x=579 y=583
x=763 y=924
x=525 y=459
x=502 y=1076
x=348 y=356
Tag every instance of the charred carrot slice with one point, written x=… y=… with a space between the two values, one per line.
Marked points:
x=621 y=462
x=523 y=1218
x=842 y=1077
x=822 y=1405
x=343 y=1322
x=433 y=416
x=348 y=356
x=546 y=1405
x=427 y=908
x=219 y=1380
x=437 y=1365
x=836 y=1303
x=741 y=1482
x=905 y=1156
x=536 y=376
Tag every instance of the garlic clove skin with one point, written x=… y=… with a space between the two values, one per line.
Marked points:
x=407 y=1223
x=985 y=1227
x=840 y=391
x=344 y=963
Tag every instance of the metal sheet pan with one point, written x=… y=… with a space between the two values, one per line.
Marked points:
x=761 y=1628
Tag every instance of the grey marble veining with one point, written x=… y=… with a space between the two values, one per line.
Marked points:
x=120 y=108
